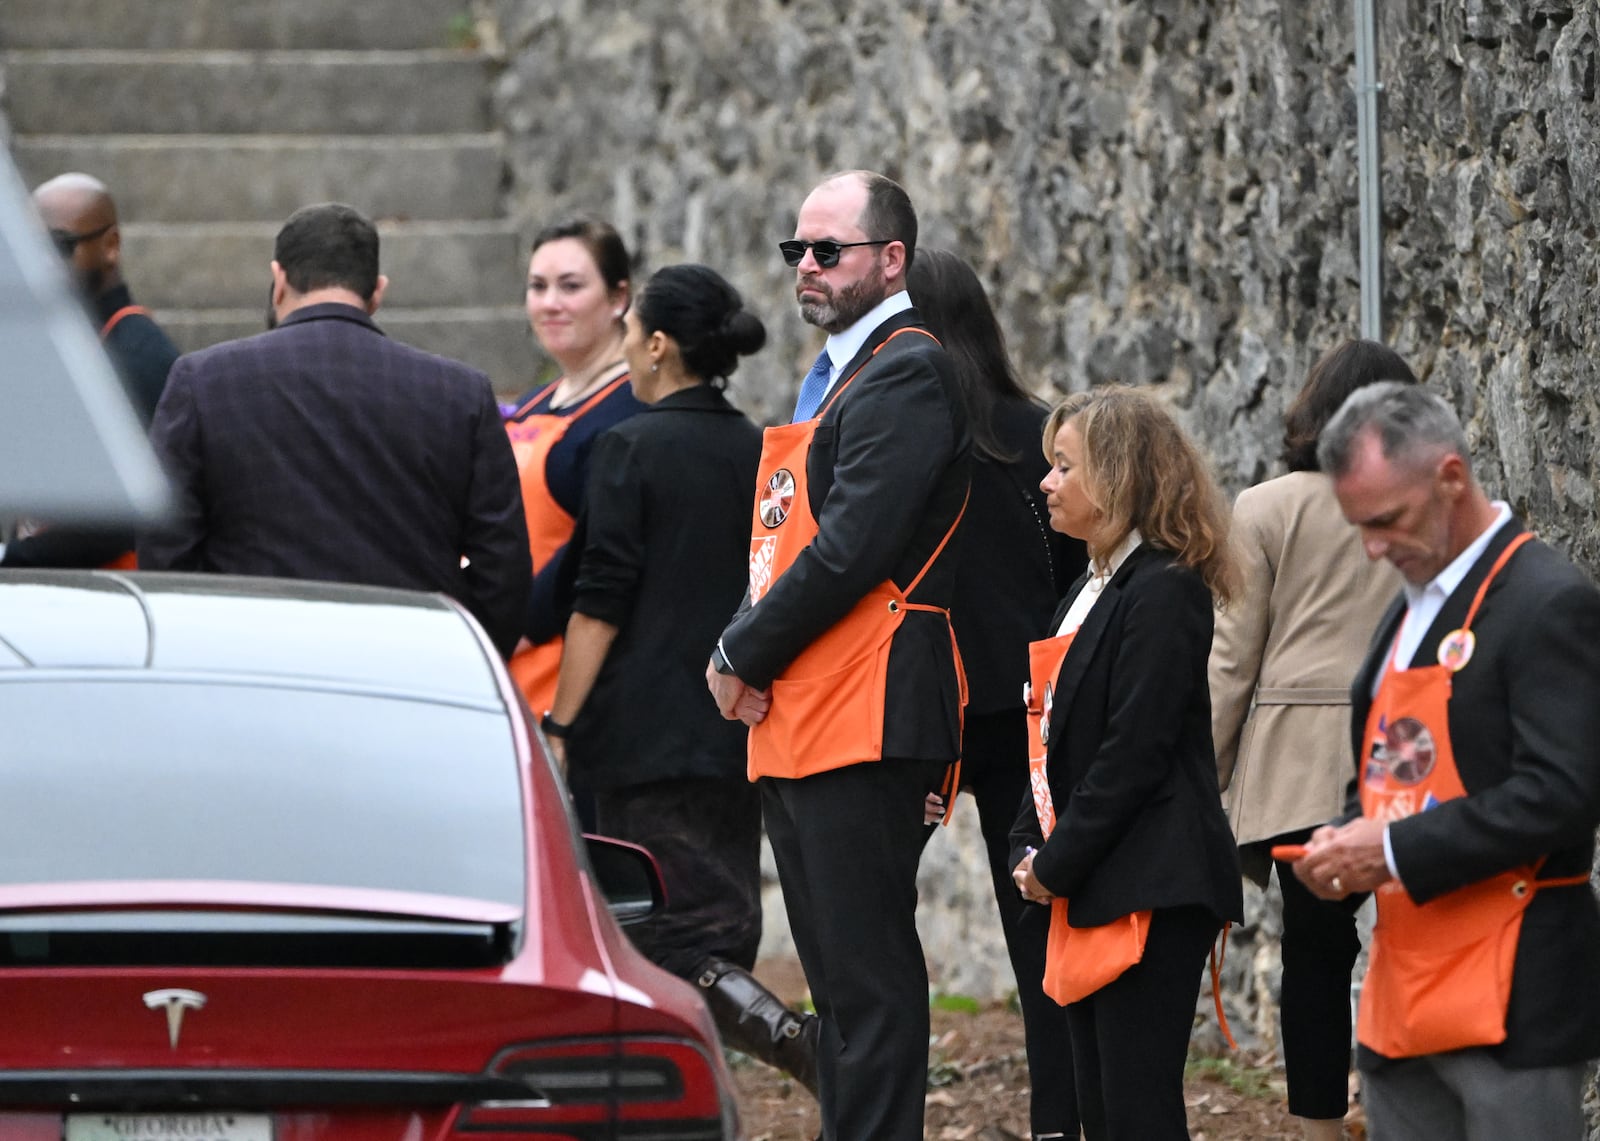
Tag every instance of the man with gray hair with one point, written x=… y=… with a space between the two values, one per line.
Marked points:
x=1476 y=723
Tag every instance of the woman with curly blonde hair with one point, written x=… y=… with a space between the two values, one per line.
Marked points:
x=1124 y=836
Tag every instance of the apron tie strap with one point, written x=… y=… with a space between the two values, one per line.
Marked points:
x=1219 y=953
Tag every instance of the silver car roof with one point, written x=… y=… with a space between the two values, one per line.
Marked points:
x=320 y=635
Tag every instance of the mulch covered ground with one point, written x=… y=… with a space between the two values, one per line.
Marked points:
x=978 y=1083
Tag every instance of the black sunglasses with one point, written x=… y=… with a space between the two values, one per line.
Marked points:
x=68 y=242
x=827 y=250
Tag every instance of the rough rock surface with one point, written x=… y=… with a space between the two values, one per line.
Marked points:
x=1162 y=193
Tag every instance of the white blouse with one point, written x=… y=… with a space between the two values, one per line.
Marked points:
x=1090 y=594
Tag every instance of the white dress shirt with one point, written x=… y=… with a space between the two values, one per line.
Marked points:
x=1423 y=604
x=1090 y=594
x=843 y=346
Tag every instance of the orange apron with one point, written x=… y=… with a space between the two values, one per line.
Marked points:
x=127 y=560
x=535 y=668
x=1078 y=960
x=1440 y=973
x=827 y=704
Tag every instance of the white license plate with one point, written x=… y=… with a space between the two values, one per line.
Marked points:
x=169 y=1127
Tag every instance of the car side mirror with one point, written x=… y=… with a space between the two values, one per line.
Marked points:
x=628 y=878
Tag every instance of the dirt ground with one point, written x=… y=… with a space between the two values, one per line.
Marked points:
x=978 y=1083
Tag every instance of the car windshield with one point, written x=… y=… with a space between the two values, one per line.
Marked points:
x=164 y=779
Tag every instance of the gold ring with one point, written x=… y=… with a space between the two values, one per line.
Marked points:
x=1337 y=886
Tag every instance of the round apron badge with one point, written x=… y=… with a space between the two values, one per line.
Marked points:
x=1455 y=649
x=778 y=498
x=1408 y=751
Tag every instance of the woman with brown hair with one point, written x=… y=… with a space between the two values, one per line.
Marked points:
x=1124 y=835
x=1281 y=665
x=578 y=291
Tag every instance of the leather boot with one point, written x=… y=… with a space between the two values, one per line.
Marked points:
x=754 y=1021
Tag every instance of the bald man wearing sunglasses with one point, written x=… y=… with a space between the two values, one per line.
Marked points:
x=842 y=658
x=82 y=219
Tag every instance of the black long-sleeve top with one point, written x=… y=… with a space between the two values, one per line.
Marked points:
x=662 y=548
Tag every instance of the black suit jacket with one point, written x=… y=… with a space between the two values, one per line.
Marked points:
x=664 y=552
x=324 y=450
x=1525 y=730
x=1139 y=820
x=887 y=476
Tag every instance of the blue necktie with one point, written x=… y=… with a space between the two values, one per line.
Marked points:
x=813 y=387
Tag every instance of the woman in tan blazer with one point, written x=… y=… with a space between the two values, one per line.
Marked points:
x=1281 y=663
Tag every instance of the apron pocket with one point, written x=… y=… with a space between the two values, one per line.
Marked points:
x=824 y=722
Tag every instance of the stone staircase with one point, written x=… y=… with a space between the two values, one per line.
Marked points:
x=212 y=120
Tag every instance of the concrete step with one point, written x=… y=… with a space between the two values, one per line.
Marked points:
x=265 y=178
x=247 y=24
x=496 y=340
x=223 y=92
x=430 y=264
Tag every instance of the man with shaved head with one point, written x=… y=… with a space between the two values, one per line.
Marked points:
x=82 y=218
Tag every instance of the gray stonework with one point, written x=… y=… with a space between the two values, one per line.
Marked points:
x=1161 y=192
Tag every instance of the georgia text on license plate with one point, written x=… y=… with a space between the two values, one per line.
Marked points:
x=169 y=1127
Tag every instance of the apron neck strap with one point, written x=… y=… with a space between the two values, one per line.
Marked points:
x=1499 y=564
x=839 y=389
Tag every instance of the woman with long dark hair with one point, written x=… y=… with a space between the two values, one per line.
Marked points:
x=1281 y=665
x=1012 y=569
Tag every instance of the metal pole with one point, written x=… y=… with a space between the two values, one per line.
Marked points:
x=1370 y=189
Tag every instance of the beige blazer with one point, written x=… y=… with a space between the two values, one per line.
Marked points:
x=1285 y=652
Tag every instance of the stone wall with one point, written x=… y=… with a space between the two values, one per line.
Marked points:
x=1161 y=192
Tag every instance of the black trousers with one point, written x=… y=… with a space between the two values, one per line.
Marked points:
x=994 y=768
x=846 y=844
x=1130 y=1039
x=1320 y=945
x=706 y=838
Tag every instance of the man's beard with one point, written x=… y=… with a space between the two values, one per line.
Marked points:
x=845 y=308
x=93 y=281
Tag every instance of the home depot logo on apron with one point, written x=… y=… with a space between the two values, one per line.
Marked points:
x=1078 y=960
x=549 y=526
x=1440 y=973
x=827 y=704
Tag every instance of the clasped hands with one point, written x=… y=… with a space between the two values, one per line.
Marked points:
x=736 y=700
x=1028 y=884
x=1344 y=860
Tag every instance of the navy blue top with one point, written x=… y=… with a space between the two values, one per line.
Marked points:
x=566 y=474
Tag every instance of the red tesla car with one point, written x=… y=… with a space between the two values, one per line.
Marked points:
x=287 y=862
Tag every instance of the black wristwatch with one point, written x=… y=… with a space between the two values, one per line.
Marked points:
x=550 y=727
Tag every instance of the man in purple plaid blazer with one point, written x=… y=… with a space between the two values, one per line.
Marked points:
x=323 y=450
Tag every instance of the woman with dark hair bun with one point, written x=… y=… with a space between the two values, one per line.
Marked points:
x=1012 y=569
x=662 y=554
x=1280 y=671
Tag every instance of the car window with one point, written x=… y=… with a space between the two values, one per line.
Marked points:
x=157 y=778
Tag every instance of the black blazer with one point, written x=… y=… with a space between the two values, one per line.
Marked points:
x=1012 y=567
x=324 y=450
x=887 y=476
x=1525 y=729
x=1139 y=820
x=664 y=537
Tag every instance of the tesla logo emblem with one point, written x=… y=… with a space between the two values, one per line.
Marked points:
x=176 y=1003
